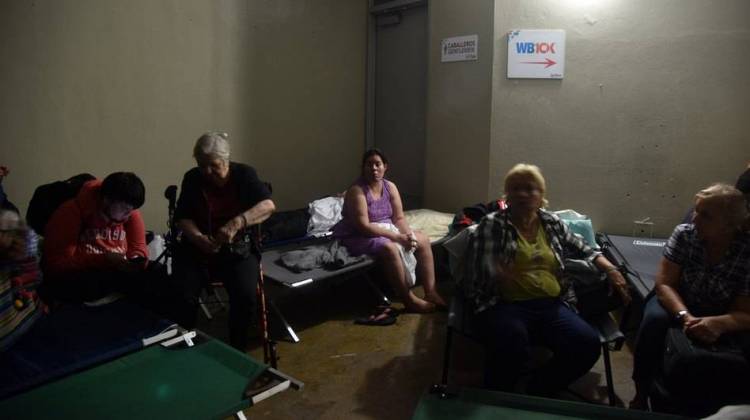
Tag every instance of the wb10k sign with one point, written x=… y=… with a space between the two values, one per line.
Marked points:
x=536 y=54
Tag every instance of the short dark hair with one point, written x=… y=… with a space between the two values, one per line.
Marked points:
x=124 y=187
x=373 y=152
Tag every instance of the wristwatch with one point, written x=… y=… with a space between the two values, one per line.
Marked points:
x=680 y=314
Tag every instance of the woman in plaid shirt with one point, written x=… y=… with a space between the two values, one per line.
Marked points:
x=515 y=260
x=703 y=282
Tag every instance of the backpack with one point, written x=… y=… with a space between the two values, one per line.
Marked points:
x=285 y=225
x=48 y=197
x=474 y=214
x=699 y=378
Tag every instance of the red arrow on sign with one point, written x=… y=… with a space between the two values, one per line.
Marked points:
x=546 y=61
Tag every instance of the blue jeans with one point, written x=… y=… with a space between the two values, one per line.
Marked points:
x=509 y=329
x=649 y=343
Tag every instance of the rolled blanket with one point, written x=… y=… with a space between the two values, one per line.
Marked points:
x=407 y=257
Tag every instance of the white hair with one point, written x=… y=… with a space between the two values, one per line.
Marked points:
x=10 y=220
x=212 y=145
x=731 y=203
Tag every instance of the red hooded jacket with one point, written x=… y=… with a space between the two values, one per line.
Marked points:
x=78 y=236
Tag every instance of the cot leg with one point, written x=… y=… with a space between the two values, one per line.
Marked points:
x=218 y=298
x=377 y=291
x=289 y=329
x=204 y=308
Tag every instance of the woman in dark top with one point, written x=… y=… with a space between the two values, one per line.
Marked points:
x=219 y=200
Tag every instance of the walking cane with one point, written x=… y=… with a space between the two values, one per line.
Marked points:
x=269 y=346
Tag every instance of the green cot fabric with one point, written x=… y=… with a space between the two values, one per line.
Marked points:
x=206 y=381
x=474 y=404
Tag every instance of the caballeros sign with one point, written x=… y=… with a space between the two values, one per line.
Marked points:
x=459 y=48
x=536 y=54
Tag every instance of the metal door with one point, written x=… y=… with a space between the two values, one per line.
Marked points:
x=397 y=96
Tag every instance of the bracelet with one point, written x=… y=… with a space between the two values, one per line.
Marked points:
x=680 y=315
x=609 y=270
x=244 y=221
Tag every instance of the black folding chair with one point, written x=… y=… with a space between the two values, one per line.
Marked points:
x=461 y=320
x=211 y=289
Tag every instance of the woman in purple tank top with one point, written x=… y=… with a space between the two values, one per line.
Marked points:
x=371 y=200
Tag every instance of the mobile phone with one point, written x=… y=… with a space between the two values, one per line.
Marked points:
x=138 y=259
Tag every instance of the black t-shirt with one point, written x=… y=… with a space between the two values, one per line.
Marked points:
x=193 y=203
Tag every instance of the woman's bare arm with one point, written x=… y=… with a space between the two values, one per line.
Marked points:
x=355 y=208
x=667 y=280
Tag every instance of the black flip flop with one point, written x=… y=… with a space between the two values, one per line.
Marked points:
x=384 y=318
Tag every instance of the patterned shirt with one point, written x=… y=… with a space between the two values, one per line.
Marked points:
x=496 y=239
x=19 y=303
x=709 y=289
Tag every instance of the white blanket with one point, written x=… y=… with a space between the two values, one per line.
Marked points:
x=407 y=257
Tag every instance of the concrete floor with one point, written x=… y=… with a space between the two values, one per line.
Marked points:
x=364 y=372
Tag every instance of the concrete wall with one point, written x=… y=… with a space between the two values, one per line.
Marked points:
x=652 y=108
x=459 y=101
x=308 y=87
x=105 y=85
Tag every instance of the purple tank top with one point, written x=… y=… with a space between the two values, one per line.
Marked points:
x=378 y=210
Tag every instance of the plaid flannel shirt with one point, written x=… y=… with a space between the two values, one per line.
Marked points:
x=709 y=290
x=496 y=239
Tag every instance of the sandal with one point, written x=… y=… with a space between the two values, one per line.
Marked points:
x=386 y=315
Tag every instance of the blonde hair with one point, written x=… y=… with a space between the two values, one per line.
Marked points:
x=213 y=145
x=731 y=203
x=526 y=170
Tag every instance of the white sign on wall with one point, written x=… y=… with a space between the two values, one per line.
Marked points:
x=460 y=48
x=536 y=54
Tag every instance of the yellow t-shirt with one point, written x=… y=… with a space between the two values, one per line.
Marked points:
x=533 y=271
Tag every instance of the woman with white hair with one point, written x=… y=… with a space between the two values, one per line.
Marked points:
x=519 y=296
x=703 y=282
x=219 y=200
